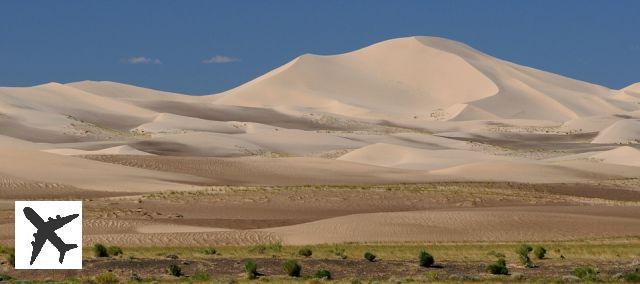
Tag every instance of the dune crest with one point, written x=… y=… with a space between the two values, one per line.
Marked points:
x=420 y=77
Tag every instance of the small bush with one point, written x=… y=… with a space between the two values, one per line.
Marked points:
x=585 y=273
x=306 y=252
x=114 y=251
x=633 y=277
x=339 y=252
x=260 y=249
x=431 y=275
x=275 y=247
x=523 y=255
x=251 y=269
x=539 y=252
x=323 y=274
x=209 y=251
x=174 y=270
x=4 y=277
x=99 y=250
x=292 y=268
x=369 y=256
x=201 y=276
x=426 y=259
x=107 y=278
x=498 y=268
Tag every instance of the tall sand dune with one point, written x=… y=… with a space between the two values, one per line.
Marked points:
x=423 y=77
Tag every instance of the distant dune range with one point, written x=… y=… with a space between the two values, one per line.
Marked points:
x=407 y=110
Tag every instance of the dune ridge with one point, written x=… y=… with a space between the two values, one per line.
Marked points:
x=427 y=108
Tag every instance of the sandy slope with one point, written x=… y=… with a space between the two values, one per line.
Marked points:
x=171 y=123
x=633 y=90
x=621 y=156
x=117 y=150
x=624 y=155
x=487 y=224
x=621 y=132
x=28 y=163
x=429 y=79
x=387 y=155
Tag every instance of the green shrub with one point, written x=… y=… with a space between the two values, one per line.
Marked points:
x=260 y=249
x=292 y=268
x=4 y=277
x=369 y=256
x=431 y=275
x=99 y=250
x=498 y=268
x=539 y=252
x=633 y=277
x=523 y=255
x=107 y=278
x=251 y=269
x=201 y=276
x=306 y=252
x=585 y=273
x=174 y=270
x=426 y=259
x=339 y=252
x=209 y=251
x=323 y=274
x=114 y=251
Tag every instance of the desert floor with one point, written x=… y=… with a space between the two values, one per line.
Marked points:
x=462 y=223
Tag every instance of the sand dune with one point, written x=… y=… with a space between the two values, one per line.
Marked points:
x=171 y=123
x=198 y=144
x=622 y=156
x=387 y=155
x=126 y=92
x=621 y=132
x=51 y=104
x=117 y=150
x=411 y=109
x=591 y=124
x=521 y=171
x=28 y=163
x=633 y=90
x=489 y=224
x=429 y=79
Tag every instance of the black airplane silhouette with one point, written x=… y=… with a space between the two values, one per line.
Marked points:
x=46 y=231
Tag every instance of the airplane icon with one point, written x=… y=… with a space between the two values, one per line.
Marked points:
x=46 y=231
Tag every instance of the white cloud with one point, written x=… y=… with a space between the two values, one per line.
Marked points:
x=142 y=60
x=220 y=59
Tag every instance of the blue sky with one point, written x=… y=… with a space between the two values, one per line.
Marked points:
x=204 y=47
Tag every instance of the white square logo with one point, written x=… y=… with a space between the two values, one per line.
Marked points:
x=48 y=234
